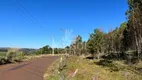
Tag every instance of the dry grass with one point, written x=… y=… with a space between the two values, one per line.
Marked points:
x=83 y=69
x=53 y=72
x=28 y=57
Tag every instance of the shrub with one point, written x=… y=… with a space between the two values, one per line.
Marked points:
x=19 y=56
x=14 y=55
x=108 y=63
x=2 y=60
x=11 y=56
x=38 y=52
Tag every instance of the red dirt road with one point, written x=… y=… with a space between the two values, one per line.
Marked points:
x=30 y=70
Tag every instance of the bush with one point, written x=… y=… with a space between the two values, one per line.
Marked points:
x=132 y=57
x=2 y=61
x=19 y=57
x=108 y=63
x=14 y=55
x=11 y=56
x=38 y=52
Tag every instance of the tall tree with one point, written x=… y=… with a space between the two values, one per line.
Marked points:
x=133 y=32
x=96 y=42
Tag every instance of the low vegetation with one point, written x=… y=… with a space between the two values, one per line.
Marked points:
x=13 y=55
x=77 y=68
x=2 y=53
x=54 y=71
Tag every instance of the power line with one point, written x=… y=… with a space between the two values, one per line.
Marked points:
x=30 y=14
x=32 y=18
x=23 y=13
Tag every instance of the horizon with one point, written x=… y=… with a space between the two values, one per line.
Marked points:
x=33 y=24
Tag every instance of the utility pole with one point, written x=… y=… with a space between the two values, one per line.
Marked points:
x=65 y=32
x=53 y=46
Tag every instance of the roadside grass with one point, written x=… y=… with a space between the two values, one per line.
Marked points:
x=84 y=69
x=32 y=56
x=13 y=57
x=53 y=72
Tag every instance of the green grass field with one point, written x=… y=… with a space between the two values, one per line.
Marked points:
x=2 y=53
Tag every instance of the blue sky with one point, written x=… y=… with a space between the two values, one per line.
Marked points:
x=33 y=23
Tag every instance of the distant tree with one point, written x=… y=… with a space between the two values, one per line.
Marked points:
x=67 y=50
x=45 y=50
x=77 y=45
x=84 y=49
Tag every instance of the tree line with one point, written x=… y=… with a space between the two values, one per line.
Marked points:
x=122 y=41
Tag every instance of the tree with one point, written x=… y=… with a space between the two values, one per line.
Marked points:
x=45 y=50
x=96 y=42
x=77 y=45
x=133 y=33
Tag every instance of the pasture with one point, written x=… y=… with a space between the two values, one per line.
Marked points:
x=2 y=54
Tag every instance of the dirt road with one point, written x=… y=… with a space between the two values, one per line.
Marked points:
x=30 y=70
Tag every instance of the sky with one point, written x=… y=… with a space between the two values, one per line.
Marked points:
x=36 y=23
